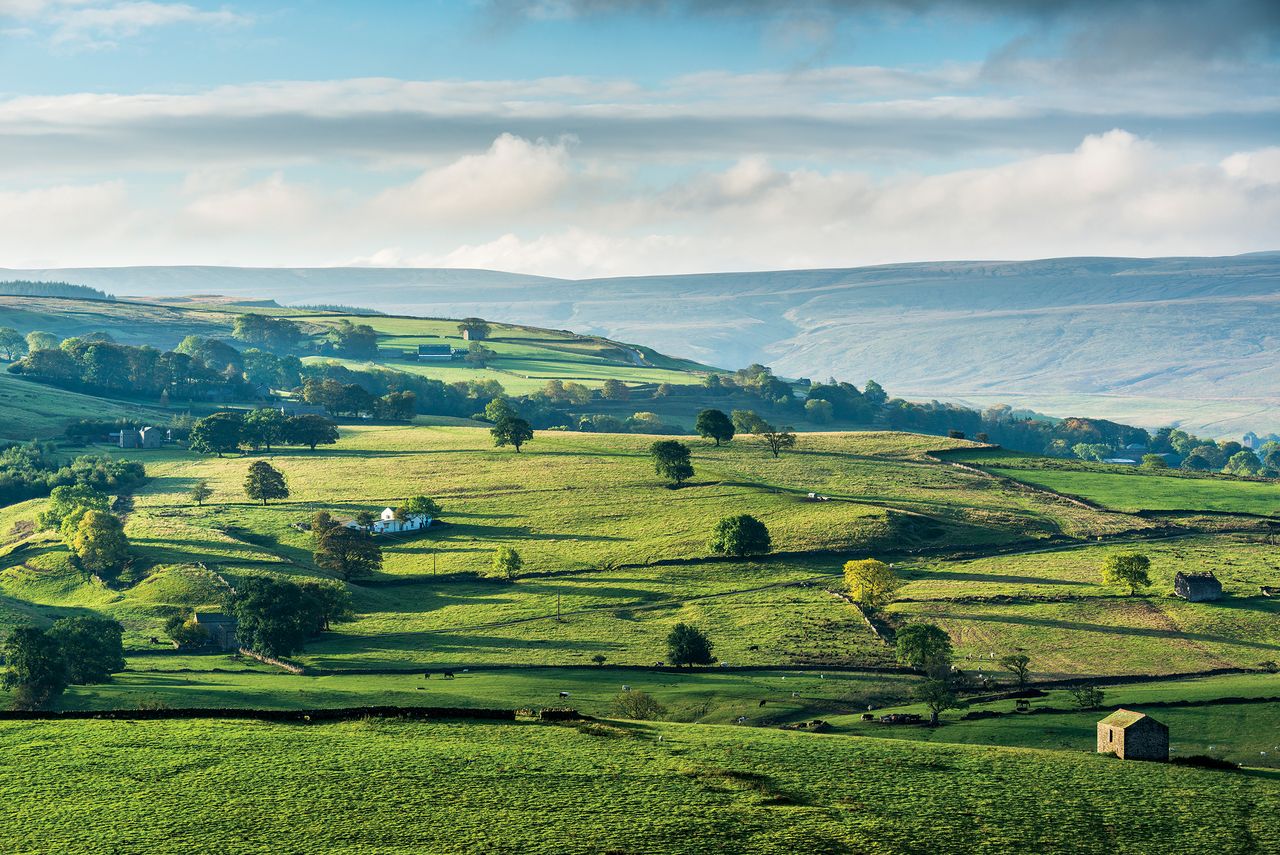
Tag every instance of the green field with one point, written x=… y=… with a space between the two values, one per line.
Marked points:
x=390 y=787
x=1003 y=560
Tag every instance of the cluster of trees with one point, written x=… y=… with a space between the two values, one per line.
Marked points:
x=229 y=431
x=198 y=369
x=41 y=663
x=27 y=288
x=275 y=617
x=352 y=399
x=30 y=470
x=81 y=514
x=641 y=422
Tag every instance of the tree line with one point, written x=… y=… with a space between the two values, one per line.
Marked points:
x=30 y=470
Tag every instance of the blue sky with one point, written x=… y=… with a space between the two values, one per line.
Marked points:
x=596 y=137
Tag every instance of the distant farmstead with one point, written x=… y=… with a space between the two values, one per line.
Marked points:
x=1133 y=736
x=148 y=437
x=387 y=523
x=434 y=353
x=1197 y=587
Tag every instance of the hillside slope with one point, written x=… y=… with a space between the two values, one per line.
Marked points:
x=1151 y=341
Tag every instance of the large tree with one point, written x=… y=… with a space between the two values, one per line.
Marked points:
x=41 y=340
x=475 y=329
x=924 y=646
x=740 y=535
x=270 y=616
x=418 y=506
x=263 y=428
x=1128 y=569
x=511 y=430
x=310 y=430
x=348 y=552
x=937 y=694
x=36 y=669
x=1019 y=665
x=264 y=481
x=93 y=647
x=688 y=645
x=66 y=500
x=218 y=433
x=671 y=460
x=12 y=344
x=714 y=424
x=871 y=583
x=100 y=544
x=777 y=439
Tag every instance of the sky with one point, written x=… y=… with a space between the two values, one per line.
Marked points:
x=583 y=138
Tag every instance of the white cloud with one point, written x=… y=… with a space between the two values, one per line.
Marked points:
x=514 y=176
x=222 y=206
x=42 y=224
x=84 y=24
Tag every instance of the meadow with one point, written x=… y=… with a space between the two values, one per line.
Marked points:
x=466 y=786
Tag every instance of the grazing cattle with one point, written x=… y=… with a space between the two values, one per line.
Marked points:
x=762 y=703
x=448 y=675
x=426 y=675
x=754 y=647
x=658 y=664
x=626 y=688
x=741 y=719
x=795 y=694
x=564 y=694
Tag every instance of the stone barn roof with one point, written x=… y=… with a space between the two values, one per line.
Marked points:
x=1123 y=718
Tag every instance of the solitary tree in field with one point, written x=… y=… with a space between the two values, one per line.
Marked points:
x=36 y=667
x=671 y=460
x=201 y=492
x=507 y=562
x=268 y=613
x=937 y=694
x=871 y=583
x=1128 y=569
x=688 y=645
x=746 y=421
x=100 y=544
x=777 y=439
x=348 y=552
x=511 y=430
x=924 y=646
x=714 y=424
x=638 y=705
x=1017 y=664
x=740 y=535
x=264 y=482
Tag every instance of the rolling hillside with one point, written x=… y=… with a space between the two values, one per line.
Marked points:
x=1189 y=341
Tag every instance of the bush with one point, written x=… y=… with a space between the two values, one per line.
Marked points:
x=638 y=705
x=740 y=535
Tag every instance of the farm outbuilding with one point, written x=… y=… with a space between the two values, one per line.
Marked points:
x=1133 y=735
x=1197 y=587
x=221 y=628
x=434 y=353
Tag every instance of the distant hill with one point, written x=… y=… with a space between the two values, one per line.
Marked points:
x=1148 y=341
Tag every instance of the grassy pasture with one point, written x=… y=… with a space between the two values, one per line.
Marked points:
x=1245 y=733
x=708 y=696
x=33 y=411
x=451 y=787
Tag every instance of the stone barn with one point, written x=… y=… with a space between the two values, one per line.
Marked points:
x=221 y=628
x=1133 y=736
x=1197 y=587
